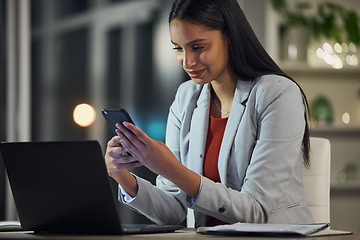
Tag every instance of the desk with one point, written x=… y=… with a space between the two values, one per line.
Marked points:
x=180 y=234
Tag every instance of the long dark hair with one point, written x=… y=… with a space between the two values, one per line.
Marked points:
x=247 y=56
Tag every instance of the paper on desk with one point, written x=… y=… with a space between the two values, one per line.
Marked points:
x=265 y=229
x=9 y=226
x=328 y=232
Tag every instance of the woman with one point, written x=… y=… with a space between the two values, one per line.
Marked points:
x=237 y=134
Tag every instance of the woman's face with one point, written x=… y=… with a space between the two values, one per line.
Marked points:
x=201 y=52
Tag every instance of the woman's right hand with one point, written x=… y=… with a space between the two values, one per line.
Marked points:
x=116 y=158
x=117 y=162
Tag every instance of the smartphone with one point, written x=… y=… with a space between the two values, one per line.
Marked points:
x=114 y=116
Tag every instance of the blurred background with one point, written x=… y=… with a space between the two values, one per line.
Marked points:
x=62 y=61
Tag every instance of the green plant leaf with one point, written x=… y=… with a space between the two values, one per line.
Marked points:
x=331 y=20
x=352 y=27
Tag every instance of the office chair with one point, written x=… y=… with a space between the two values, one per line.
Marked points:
x=317 y=180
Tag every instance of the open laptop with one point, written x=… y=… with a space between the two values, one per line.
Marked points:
x=63 y=187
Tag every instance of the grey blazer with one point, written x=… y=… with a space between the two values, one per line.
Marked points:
x=260 y=161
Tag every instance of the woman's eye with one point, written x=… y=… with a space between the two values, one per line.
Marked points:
x=177 y=49
x=198 y=48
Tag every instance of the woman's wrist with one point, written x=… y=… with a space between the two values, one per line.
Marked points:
x=188 y=181
x=126 y=180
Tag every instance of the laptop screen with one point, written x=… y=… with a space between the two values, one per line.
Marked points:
x=61 y=187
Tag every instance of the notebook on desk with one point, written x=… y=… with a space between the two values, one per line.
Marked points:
x=63 y=187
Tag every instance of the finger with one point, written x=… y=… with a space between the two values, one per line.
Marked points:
x=131 y=148
x=121 y=162
x=137 y=132
x=116 y=152
x=125 y=166
x=124 y=159
x=129 y=140
x=125 y=131
x=114 y=141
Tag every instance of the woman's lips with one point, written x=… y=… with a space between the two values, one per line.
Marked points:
x=195 y=74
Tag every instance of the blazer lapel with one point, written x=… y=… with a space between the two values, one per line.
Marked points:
x=198 y=131
x=237 y=110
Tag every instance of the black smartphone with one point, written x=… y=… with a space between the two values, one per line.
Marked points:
x=114 y=116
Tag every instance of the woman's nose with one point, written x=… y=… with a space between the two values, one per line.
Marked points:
x=189 y=60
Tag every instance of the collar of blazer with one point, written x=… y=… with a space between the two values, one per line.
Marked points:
x=200 y=125
x=242 y=92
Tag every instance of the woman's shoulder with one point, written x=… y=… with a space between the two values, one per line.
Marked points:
x=273 y=85
x=187 y=95
x=272 y=81
x=188 y=91
x=189 y=86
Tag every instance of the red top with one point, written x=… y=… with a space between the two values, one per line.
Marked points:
x=213 y=143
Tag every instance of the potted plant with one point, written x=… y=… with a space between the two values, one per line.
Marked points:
x=326 y=20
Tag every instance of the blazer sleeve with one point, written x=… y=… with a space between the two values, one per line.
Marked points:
x=276 y=109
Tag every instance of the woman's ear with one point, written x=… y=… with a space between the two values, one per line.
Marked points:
x=228 y=42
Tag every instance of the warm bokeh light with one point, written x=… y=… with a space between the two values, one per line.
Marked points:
x=338 y=55
x=84 y=115
x=346 y=118
x=352 y=47
x=338 y=48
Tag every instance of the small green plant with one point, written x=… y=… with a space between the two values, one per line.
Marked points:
x=325 y=19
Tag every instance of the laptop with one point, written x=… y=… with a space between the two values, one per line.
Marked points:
x=63 y=187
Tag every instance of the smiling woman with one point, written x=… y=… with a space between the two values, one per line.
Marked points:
x=202 y=53
x=237 y=134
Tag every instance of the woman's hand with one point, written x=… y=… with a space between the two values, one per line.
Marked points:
x=116 y=157
x=117 y=161
x=152 y=153
x=156 y=156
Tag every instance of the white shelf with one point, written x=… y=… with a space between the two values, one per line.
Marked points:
x=304 y=68
x=336 y=129
x=354 y=185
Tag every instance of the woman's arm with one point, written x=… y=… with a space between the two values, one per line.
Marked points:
x=117 y=163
